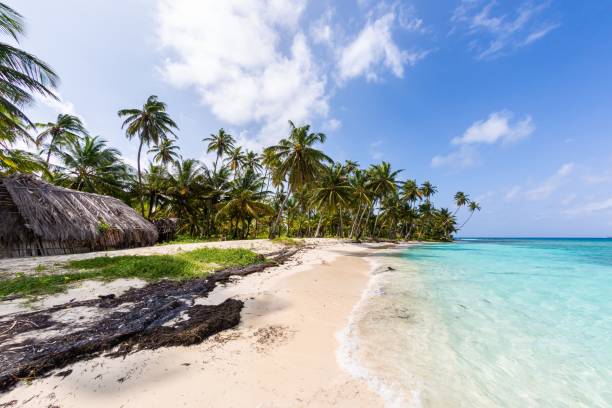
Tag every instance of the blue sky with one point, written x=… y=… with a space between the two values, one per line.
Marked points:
x=510 y=101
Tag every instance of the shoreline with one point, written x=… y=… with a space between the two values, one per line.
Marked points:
x=285 y=351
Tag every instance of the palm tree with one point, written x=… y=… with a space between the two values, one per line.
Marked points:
x=222 y=143
x=446 y=223
x=411 y=192
x=88 y=164
x=473 y=206
x=362 y=195
x=156 y=185
x=245 y=202
x=21 y=74
x=185 y=185
x=333 y=194
x=461 y=199
x=252 y=162
x=428 y=190
x=67 y=129
x=383 y=181
x=151 y=124
x=236 y=160
x=165 y=152
x=298 y=161
x=11 y=159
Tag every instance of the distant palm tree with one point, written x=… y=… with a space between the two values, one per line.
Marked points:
x=383 y=181
x=350 y=166
x=461 y=199
x=333 y=193
x=298 y=161
x=222 y=143
x=473 y=206
x=151 y=124
x=165 y=152
x=21 y=74
x=236 y=159
x=252 y=162
x=362 y=195
x=446 y=222
x=185 y=183
x=428 y=190
x=245 y=202
x=411 y=192
x=67 y=129
x=88 y=164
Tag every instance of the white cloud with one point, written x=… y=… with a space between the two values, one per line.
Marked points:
x=373 y=49
x=512 y=192
x=495 y=32
x=332 y=124
x=465 y=156
x=552 y=184
x=59 y=106
x=231 y=53
x=375 y=151
x=321 y=30
x=591 y=208
x=497 y=128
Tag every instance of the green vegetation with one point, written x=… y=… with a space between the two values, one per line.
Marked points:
x=186 y=265
x=293 y=188
x=184 y=239
x=288 y=241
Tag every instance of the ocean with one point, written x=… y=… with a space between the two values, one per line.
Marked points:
x=487 y=323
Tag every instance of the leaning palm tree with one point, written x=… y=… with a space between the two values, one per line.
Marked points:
x=21 y=74
x=66 y=129
x=165 y=152
x=150 y=124
x=222 y=143
x=298 y=161
x=461 y=199
x=473 y=207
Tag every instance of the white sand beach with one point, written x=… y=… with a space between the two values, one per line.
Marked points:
x=283 y=353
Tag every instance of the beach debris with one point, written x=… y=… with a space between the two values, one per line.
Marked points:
x=266 y=337
x=133 y=321
x=64 y=373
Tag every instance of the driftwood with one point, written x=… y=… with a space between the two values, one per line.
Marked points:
x=160 y=314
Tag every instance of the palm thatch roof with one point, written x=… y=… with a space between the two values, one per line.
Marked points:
x=42 y=219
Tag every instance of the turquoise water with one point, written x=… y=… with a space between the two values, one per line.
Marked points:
x=496 y=322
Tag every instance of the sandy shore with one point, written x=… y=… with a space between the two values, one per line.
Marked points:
x=283 y=353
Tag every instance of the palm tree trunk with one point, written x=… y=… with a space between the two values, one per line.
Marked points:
x=49 y=150
x=319 y=225
x=355 y=221
x=140 y=179
x=276 y=226
x=465 y=222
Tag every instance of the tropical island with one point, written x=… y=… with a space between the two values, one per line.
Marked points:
x=102 y=259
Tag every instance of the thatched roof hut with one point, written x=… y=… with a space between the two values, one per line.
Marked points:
x=37 y=218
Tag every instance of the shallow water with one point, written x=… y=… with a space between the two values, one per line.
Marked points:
x=480 y=323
